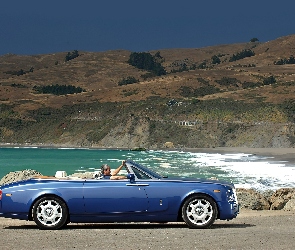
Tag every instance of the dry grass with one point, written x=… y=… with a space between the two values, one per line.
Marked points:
x=100 y=72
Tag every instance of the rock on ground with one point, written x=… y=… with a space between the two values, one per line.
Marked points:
x=251 y=199
x=280 y=198
x=19 y=176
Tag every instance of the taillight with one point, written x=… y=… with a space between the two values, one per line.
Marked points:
x=0 y=194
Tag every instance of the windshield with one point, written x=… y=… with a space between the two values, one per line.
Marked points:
x=144 y=173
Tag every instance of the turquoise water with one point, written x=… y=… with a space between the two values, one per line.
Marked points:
x=245 y=170
x=47 y=160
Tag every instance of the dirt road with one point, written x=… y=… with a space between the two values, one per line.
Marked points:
x=251 y=230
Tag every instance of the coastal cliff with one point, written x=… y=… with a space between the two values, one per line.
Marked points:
x=235 y=95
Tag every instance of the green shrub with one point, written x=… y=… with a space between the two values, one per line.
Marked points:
x=291 y=60
x=57 y=89
x=71 y=55
x=241 y=55
x=246 y=85
x=146 y=61
x=228 y=81
x=182 y=68
x=215 y=59
x=269 y=80
x=182 y=65
x=254 y=39
x=202 y=65
x=19 y=72
x=18 y=85
x=128 y=80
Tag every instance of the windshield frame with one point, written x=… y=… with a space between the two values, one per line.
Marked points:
x=146 y=170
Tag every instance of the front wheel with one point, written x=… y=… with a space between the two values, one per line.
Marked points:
x=199 y=211
x=50 y=213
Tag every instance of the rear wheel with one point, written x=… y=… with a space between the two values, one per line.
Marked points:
x=199 y=211
x=50 y=213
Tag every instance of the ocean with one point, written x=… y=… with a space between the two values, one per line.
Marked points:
x=244 y=170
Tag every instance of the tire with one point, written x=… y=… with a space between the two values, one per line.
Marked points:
x=50 y=213
x=199 y=211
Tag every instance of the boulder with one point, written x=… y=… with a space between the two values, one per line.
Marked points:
x=84 y=175
x=19 y=176
x=267 y=193
x=280 y=198
x=168 y=144
x=251 y=199
x=290 y=205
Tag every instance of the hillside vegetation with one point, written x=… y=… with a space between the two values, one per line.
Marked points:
x=226 y=95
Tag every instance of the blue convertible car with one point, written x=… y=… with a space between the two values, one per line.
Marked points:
x=144 y=196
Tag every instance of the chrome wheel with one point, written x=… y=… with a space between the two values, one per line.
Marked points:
x=50 y=213
x=199 y=211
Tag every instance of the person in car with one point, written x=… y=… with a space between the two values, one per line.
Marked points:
x=106 y=172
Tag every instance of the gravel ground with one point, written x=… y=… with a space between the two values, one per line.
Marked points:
x=251 y=230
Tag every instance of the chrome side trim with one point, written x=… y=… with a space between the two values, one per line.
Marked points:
x=137 y=184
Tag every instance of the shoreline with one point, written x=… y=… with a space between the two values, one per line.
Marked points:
x=263 y=151
x=277 y=154
x=287 y=154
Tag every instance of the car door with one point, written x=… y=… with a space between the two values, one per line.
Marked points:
x=158 y=192
x=113 y=197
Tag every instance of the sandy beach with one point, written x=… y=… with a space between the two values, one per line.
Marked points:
x=290 y=152
x=278 y=154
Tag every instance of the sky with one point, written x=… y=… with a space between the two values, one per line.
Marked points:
x=41 y=27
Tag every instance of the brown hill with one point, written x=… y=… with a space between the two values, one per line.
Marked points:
x=196 y=78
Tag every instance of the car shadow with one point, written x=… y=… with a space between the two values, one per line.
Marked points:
x=221 y=225
x=131 y=226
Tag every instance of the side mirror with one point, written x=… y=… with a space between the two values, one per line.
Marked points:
x=131 y=177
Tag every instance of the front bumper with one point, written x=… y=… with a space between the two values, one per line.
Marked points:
x=228 y=211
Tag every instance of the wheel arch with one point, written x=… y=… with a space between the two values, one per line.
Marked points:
x=179 y=215
x=30 y=217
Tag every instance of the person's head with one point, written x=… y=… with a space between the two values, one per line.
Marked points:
x=105 y=169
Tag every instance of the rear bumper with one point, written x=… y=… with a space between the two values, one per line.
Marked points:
x=20 y=216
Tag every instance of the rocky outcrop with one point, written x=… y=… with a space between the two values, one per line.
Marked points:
x=84 y=175
x=281 y=197
x=251 y=199
x=290 y=205
x=168 y=144
x=19 y=176
x=28 y=173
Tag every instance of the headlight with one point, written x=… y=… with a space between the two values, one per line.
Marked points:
x=232 y=196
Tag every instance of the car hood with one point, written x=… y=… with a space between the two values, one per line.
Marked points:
x=190 y=179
